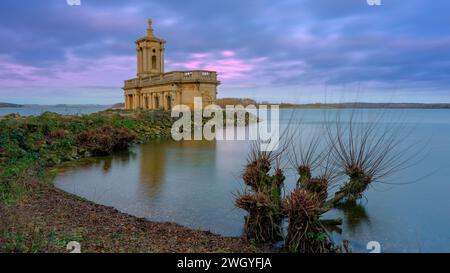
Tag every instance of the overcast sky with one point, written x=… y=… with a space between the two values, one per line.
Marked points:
x=284 y=50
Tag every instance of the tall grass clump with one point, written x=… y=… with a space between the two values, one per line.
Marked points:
x=366 y=152
x=263 y=197
x=335 y=164
x=305 y=230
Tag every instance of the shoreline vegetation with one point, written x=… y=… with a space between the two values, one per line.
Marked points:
x=37 y=217
x=335 y=167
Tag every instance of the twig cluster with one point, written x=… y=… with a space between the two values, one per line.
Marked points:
x=336 y=165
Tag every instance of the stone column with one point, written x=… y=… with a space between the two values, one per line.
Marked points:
x=162 y=60
x=145 y=58
x=178 y=100
x=164 y=100
x=157 y=98
x=136 y=101
x=138 y=62
x=168 y=97
x=149 y=59
x=142 y=61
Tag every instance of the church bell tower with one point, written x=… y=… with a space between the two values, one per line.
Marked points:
x=150 y=54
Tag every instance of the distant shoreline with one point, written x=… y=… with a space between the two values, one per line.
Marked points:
x=14 y=105
x=344 y=105
x=367 y=105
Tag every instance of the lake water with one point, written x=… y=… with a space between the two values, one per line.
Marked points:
x=63 y=110
x=192 y=183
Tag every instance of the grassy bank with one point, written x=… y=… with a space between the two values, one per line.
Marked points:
x=29 y=145
x=37 y=217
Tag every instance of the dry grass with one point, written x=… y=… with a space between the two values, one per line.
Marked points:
x=262 y=223
x=305 y=232
x=337 y=164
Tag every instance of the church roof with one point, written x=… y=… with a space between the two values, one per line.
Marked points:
x=150 y=35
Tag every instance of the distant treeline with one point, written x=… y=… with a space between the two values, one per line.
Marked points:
x=5 y=104
x=235 y=101
x=247 y=101
x=371 y=105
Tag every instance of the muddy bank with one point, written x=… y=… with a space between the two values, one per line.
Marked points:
x=49 y=218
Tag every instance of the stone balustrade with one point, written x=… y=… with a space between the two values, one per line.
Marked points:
x=175 y=77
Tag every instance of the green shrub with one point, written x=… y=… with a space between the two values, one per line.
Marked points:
x=29 y=145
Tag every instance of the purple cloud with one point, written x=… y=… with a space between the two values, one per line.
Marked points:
x=253 y=45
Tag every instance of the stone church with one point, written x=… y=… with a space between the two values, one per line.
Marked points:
x=155 y=89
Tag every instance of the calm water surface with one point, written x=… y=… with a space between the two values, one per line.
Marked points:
x=192 y=183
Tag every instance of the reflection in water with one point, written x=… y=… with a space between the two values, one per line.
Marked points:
x=333 y=228
x=107 y=162
x=192 y=183
x=354 y=213
x=159 y=157
x=152 y=166
x=104 y=163
x=184 y=182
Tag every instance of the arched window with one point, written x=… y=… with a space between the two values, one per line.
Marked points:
x=153 y=62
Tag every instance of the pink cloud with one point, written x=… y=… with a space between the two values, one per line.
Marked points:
x=228 y=53
x=231 y=69
x=73 y=71
x=200 y=55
